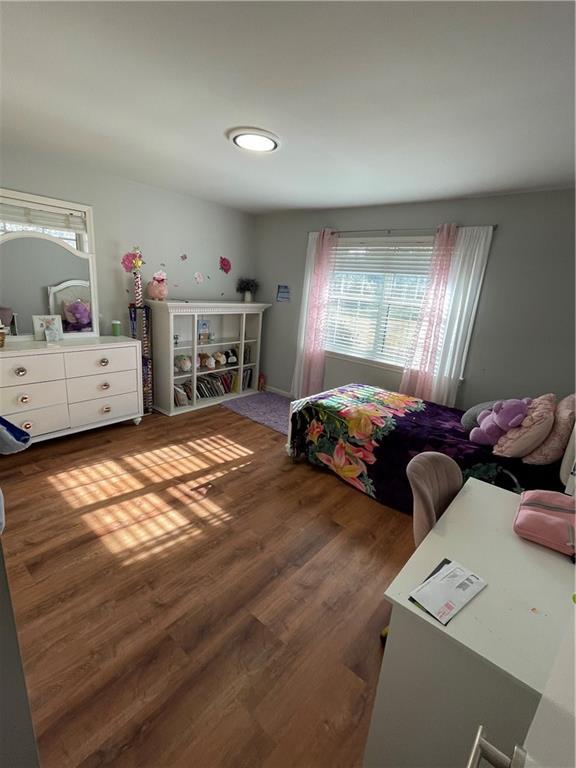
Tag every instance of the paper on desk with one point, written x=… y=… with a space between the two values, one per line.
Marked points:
x=447 y=591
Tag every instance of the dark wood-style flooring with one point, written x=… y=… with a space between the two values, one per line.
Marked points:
x=187 y=596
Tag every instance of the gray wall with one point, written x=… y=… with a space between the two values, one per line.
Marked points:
x=164 y=224
x=523 y=340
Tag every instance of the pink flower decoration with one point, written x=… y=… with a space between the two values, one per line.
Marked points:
x=198 y=277
x=132 y=261
x=225 y=264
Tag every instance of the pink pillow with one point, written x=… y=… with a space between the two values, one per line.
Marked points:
x=552 y=449
x=522 y=440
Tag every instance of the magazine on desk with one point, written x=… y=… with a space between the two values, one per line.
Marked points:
x=447 y=590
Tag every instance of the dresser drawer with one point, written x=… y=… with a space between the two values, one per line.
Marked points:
x=40 y=421
x=101 y=385
x=98 y=360
x=31 y=368
x=103 y=409
x=26 y=397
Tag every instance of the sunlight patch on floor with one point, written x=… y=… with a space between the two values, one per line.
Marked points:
x=140 y=527
x=85 y=475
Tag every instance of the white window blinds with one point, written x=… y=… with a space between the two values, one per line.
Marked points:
x=376 y=291
x=66 y=224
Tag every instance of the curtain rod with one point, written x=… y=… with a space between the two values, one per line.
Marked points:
x=389 y=230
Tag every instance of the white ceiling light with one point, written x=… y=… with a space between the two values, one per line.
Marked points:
x=253 y=139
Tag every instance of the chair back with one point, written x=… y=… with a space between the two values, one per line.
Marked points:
x=435 y=479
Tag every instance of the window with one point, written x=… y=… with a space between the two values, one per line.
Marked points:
x=376 y=291
x=65 y=224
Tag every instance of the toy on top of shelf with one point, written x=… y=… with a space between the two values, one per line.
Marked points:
x=157 y=288
x=207 y=361
x=182 y=364
x=220 y=358
x=231 y=356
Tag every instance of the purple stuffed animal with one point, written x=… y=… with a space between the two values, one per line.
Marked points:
x=493 y=423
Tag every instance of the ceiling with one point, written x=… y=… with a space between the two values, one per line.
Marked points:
x=373 y=102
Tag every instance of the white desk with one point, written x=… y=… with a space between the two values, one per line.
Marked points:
x=490 y=664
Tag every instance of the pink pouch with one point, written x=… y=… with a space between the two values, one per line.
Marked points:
x=548 y=518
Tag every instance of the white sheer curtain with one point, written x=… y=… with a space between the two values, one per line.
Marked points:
x=310 y=356
x=464 y=285
x=455 y=316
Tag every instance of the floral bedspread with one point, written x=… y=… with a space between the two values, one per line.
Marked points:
x=367 y=436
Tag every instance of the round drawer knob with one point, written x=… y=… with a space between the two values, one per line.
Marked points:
x=105 y=385
x=21 y=371
x=27 y=425
x=23 y=399
x=107 y=409
x=104 y=362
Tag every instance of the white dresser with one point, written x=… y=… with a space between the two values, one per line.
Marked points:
x=51 y=391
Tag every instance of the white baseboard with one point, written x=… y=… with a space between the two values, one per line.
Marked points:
x=280 y=392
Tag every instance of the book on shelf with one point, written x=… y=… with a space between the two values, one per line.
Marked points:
x=216 y=384
x=247 y=378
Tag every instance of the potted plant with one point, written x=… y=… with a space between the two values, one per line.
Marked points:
x=248 y=286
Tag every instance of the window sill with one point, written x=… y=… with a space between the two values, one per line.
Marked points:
x=364 y=361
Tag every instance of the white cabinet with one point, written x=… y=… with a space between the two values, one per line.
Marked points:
x=182 y=331
x=51 y=391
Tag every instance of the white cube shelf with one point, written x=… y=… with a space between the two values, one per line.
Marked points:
x=232 y=325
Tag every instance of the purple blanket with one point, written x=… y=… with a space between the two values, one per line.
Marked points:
x=367 y=436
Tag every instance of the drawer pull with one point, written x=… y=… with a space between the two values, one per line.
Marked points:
x=20 y=371
x=23 y=399
x=104 y=362
x=27 y=426
x=107 y=409
x=105 y=385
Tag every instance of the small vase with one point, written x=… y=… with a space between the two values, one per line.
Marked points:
x=248 y=297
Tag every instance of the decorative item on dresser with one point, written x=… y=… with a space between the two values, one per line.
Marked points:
x=50 y=391
x=204 y=352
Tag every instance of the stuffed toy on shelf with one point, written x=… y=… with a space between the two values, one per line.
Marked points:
x=182 y=364
x=207 y=361
x=231 y=356
x=220 y=358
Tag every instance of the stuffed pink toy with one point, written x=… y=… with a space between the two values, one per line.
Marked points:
x=157 y=288
x=495 y=422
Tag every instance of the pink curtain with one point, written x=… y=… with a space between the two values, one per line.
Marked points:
x=313 y=355
x=418 y=377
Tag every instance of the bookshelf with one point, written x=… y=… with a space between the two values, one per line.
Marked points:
x=231 y=329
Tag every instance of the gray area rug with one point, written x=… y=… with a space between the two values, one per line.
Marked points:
x=266 y=408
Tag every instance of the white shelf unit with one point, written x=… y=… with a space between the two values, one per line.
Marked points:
x=232 y=325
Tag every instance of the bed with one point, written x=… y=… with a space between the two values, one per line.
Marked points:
x=367 y=436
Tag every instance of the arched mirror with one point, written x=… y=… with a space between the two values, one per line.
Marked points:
x=47 y=267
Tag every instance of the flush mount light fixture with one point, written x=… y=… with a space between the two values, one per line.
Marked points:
x=253 y=139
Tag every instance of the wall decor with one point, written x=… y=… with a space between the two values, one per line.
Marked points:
x=47 y=328
x=184 y=257
x=198 y=278
x=283 y=293
x=225 y=264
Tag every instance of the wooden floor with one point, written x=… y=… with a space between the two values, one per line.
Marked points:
x=187 y=596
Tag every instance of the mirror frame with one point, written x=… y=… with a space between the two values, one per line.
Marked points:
x=45 y=203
